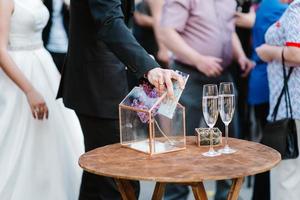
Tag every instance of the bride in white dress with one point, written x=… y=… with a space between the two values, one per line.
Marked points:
x=38 y=156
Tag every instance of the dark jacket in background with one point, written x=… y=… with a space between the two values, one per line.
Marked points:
x=66 y=19
x=100 y=45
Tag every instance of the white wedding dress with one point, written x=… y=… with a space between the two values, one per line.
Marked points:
x=38 y=159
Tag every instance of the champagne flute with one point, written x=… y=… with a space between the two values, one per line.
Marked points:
x=210 y=113
x=226 y=109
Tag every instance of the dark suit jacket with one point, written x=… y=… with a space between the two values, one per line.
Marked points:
x=66 y=19
x=100 y=45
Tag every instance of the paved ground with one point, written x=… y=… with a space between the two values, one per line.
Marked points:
x=148 y=187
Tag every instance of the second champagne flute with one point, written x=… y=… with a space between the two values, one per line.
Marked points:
x=226 y=106
x=210 y=113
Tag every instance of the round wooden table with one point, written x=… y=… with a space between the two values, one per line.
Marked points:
x=184 y=167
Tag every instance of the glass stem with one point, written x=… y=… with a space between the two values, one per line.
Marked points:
x=211 y=149
x=226 y=135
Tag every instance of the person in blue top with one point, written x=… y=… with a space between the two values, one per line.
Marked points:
x=268 y=12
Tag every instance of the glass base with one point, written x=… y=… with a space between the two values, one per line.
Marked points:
x=211 y=154
x=227 y=150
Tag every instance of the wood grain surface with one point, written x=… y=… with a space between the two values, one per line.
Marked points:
x=182 y=166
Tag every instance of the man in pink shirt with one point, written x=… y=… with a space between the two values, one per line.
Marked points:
x=201 y=35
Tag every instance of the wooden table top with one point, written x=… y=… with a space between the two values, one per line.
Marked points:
x=181 y=166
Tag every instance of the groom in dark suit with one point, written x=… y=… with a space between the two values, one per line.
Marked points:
x=94 y=77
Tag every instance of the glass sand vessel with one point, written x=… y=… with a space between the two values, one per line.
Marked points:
x=144 y=128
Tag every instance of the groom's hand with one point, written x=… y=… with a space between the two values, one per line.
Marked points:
x=162 y=80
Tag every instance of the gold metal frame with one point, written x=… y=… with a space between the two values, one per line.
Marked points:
x=151 y=127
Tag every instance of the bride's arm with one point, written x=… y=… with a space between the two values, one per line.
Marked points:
x=6 y=63
x=37 y=103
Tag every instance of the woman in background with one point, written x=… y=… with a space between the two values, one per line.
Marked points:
x=40 y=140
x=268 y=12
x=284 y=36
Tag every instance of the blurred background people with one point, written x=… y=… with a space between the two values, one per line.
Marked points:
x=268 y=12
x=284 y=36
x=40 y=140
x=201 y=34
x=163 y=54
x=146 y=21
x=55 y=34
x=246 y=20
x=145 y=29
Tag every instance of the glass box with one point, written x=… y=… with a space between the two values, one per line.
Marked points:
x=145 y=128
x=202 y=136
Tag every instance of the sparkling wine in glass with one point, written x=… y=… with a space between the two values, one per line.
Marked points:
x=226 y=109
x=210 y=113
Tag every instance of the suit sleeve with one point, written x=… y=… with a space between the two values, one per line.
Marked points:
x=114 y=33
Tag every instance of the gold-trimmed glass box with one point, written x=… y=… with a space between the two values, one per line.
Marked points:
x=145 y=128
x=202 y=136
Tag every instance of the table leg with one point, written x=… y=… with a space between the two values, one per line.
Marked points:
x=158 y=191
x=199 y=191
x=125 y=188
x=235 y=188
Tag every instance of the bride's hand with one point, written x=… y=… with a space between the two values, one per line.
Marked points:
x=37 y=104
